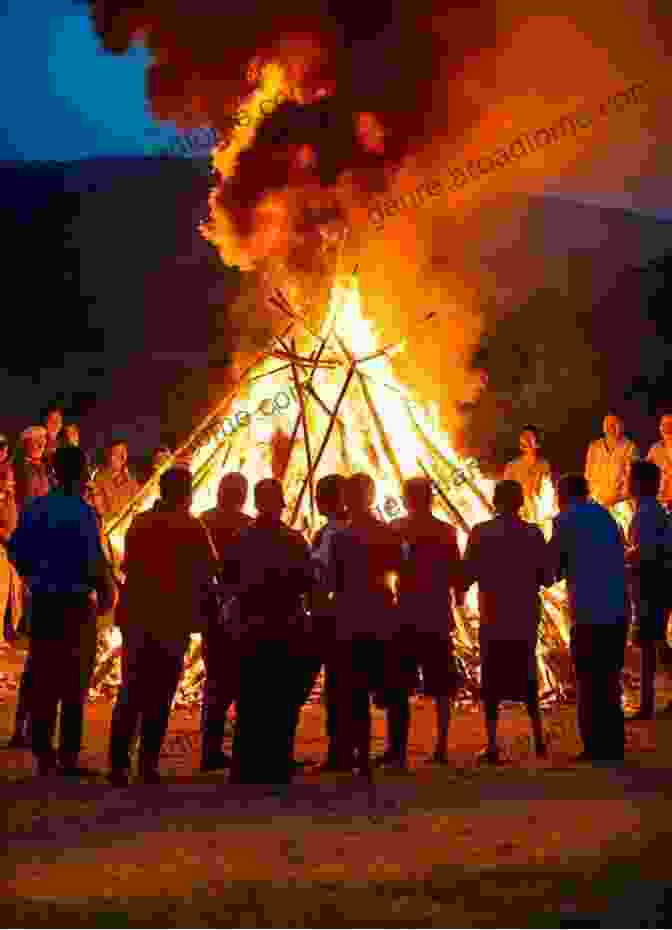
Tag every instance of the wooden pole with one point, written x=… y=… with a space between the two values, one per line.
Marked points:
x=306 y=440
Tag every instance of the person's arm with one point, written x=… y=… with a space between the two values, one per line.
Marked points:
x=470 y=561
x=557 y=554
x=18 y=547
x=102 y=575
x=590 y=462
x=456 y=570
x=546 y=572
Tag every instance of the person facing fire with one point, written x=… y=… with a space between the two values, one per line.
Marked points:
x=607 y=471
x=430 y=574
x=330 y=498
x=8 y=512
x=530 y=470
x=114 y=485
x=649 y=557
x=660 y=454
x=508 y=559
x=220 y=649
x=34 y=475
x=53 y=425
x=366 y=562
x=268 y=569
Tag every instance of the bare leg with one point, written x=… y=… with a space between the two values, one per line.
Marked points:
x=535 y=719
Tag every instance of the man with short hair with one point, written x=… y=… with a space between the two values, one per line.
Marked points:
x=587 y=551
x=56 y=549
x=53 y=425
x=507 y=558
x=430 y=574
x=330 y=499
x=650 y=561
x=115 y=487
x=34 y=475
x=607 y=471
x=366 y=559
x=660 y=454
x=268 y=569
x=169 y=565
x=531 y=471
x=8 y=512
x=220 y=649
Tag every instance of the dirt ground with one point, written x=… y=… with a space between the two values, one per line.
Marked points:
x=529 y=844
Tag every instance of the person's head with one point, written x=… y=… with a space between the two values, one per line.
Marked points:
x=529 y=439
x=71 y=434
x=70 y=467
x=613 y=426
x=418 y=495
x=54 y=421
x=161 y=456
x=508 y=497
x=571 y=489
x=34 y=441
x=269 y=498
x=232 y=492
x=175 y=488
x=644 y=479
x=4 y=449
x=666 y=427
x=360 y=493
x=117 y=454
x=330 y=495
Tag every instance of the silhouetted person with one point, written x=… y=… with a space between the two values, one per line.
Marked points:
x=430 y=573
x=330 y=497
x=650 y=561
x=220 y=648
x=366 y=565
x=168 y=565
x=54 y=425
x=507 y=558
x=269 y=571
x=57 y=551
x=587 y=550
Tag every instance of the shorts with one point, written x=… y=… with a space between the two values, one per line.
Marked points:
x=412 y=651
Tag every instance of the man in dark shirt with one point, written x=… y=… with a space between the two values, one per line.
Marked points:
x=56 y=549
x=268 y=569
x=366 y=559
x=430 y=573
x=168 y=565
x=220 y=649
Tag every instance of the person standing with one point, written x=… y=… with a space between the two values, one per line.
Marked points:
x=8 y=511
x=71 y=434
x=56 y=549
x=430 y=575
x=650 y=561
x=660 y=454
x=220 y=648
x=608 y=463
x=330 y=499
x=115 y=487
x=587 y=550
x=169 y=566
x=34 y=475
x=268 y=569
x=507 y=558
x=366 y=560
x=530 y=470
x=53 y=425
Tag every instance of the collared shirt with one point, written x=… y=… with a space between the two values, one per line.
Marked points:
x=608 y=469
x=530 y=476
x=587 y=550
x=430 y=569
x=661 y=455
x=508 y=559
x=114 y=491
x=56 y=546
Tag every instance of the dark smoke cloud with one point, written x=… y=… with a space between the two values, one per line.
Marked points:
x=377 y=58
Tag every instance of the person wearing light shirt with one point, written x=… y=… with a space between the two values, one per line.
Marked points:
x=529 y=470
x=660 y=454
x=650 y=562
x=607 y=469
x=587 y=550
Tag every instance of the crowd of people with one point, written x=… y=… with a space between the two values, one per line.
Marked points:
x=370 y=601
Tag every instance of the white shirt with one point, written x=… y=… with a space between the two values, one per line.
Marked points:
x=588 y=551
x=608 y=469
x=661 y=456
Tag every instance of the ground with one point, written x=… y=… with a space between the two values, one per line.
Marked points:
x=530 y=844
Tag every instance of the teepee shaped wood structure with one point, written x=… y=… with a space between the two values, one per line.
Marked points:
x=343 y=410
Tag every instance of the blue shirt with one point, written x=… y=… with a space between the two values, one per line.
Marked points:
x=56 y=546
x=588 y=552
